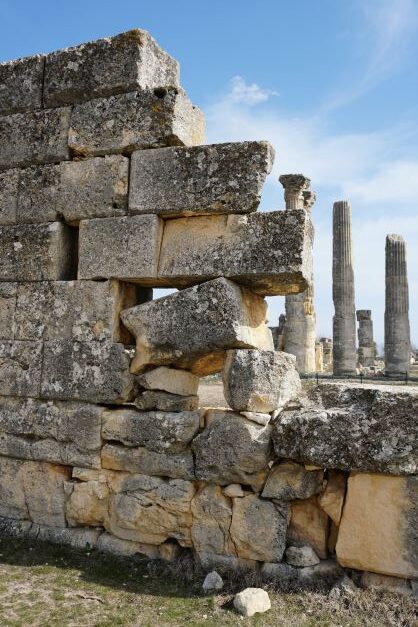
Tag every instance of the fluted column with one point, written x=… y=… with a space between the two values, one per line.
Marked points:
x=397 y=332
x=300 y=328
x=344 y=322
x=366 y=354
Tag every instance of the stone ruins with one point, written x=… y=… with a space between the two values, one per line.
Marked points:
x=107 y=191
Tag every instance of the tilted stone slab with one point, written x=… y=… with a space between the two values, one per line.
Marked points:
x=125 y=248
x=107 y=66
x=200 y=321
x=38 y=137
x=78 y=310
x=180 y=181
x=20 y=368
x=53 y=431
x=74 y=190
x=8 y=293
x=21 y=84
x=37 y=252
x=9 y=180
x=133 y=121
x=352 y=427
x=139 y=459
x=96 y=372
x=268 y=252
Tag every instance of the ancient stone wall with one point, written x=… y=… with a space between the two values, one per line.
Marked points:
x=106 y=192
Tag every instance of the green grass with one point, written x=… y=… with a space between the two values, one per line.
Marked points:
x=50 y=586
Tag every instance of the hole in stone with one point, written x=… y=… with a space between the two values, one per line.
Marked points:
x=160 y=92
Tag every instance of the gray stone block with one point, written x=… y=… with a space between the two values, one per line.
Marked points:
x=141 y=460
x=164 y=401
x=74 y=190
x=195 y=324
x=20 y=368
x=38 y=137
x=96 y=372
x=8 y=292
x=133 y=121
x=107 y=66
x=37 y=252
x=268 y=252
x=8 y=196
x=21 y=84
x=126 y=248
x=215 y=179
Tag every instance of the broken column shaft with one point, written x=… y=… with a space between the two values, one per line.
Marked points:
x=365 y=338
x=397 y=332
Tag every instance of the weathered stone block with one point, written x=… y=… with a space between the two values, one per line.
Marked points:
x=95 y=372
x=268 y=252
x=80 y=310
x=309 y=525
x=20 y=368
x=379 y=526
x=38 y=137
x=200 y=321
x=74 y=190
x=232 y=449
x=37 y=252
x=87 y=503
x=111 y=544
x=8 y=293
x=133 y=121
x=157 y=431
x=212 y=515
x=259 y=381
x=352 y=427
x=21 y=84
x=107 y=66
x=170 y=380
x=175 y=465
x=215 y=179
x=332 y=498
x=288 y=481
x=124 y=248
x=165 y=401
x=9 y=180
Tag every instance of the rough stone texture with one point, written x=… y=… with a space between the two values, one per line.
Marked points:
x=232 y=449
x=169 y=380
x=59 y=432
x=74 y=190
x=309 y=526
x=20 y=368
x=155 y=430
x=301 y=556
x=87 y=503
x=80 y=310
x=300 y=330
x=96 y=372
x=107 y=66
x=9 y=180
x=212 y=582
x=212 y=516
x=379 y=527
x=124 y=248
x=388 y=584
x=259 y=381
x=214 y=179
x=33 y=491
x=37 y=252
x=258 y=528
x=288 y=481
x=252 y=601
x=175 y=465
x=332 y=498
x=397 y=331
x=366 y=352
x=164 y=401
x=80 y=539
x=352 y=427
x=21 y=84
x=200 y=321
x=268 y=252
x=271 y=571
x=110 y=544
x=38 y=137
x=134 y=121
x=8 y=293
x=233 y=490
x=261 y=419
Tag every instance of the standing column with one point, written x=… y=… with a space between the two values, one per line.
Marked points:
x=397 y=333
x=366 y=354
x=300 y=327
x=344 y=322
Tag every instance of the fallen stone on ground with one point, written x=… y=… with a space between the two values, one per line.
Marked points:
x=213 y=582
x=252 y=601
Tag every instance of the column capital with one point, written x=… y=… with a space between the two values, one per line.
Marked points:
x=294 y=186
x=309 y=199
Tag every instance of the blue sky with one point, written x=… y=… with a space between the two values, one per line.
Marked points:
x=332 y=84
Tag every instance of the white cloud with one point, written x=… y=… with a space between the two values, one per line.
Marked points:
x=248 y=94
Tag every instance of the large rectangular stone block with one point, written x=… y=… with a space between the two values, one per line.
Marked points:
x=9 y=180
x=107 y=66
x=268 y=252
x=141 y=460
x=192 y=327
x=37 y=252
x=20 y=368
x=74 y=190
x=37 y=137
x=96 y=372
x=21 y=84
x=125 y=248
x=65 y=310
x=133 y=121
x=215 y=179
x=52 y=431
